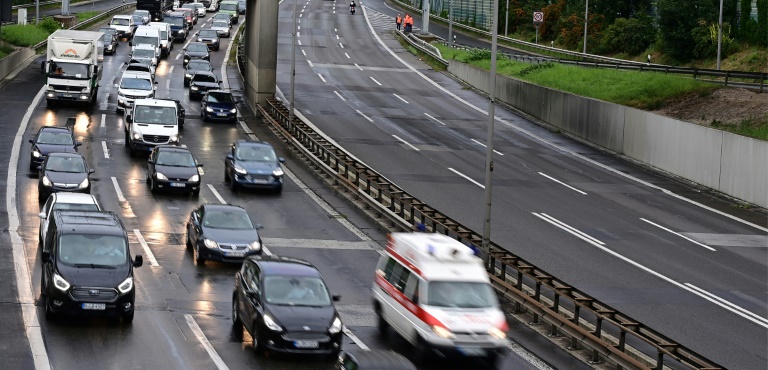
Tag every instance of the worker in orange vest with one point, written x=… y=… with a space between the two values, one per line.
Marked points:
x=408 y=23
x=398 y=21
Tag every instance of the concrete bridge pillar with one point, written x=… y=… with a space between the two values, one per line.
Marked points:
x=260 y=50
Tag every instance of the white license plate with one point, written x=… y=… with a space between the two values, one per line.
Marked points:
x=306 y=344
x=234 y=254
x=259 y=181
x=95 y=306
x=472 y=351
x=177 y=185
x=221 y=114
x=66 y=95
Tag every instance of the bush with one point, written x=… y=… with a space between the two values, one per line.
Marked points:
x=631 y=36
x=5 y=49
x=476 y=54
x=48 y=24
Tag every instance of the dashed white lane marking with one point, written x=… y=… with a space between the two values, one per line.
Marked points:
x=337 y=37
x=321 y=77
x=569 y=229
x=341 y=45
x=398 y=96
x=104 y=147
x=200 y=171
x=144 y=246
x=103 y=122
x=355 y=339
x=298 y=34
x=205 y=343
x=321 y=244
x=310 y=63
x=527 y=356
x=298 y=27
x=120 y=197
x=562 y=183
x=364 y=116
x=303 y=52
x=168 y=84
x=339 y=95
x=374 y=80
x=216 y=194
x=300 y=15
x=405 y=142
x=335 y=30
x=106 y=98
x=347 y=56
x=299 y=41
x=467 y=178
x=485 y=146
x=358 y=67
x=178 y=56
x=253 y=137
x=170 y=70
x=434 y=119
x=680 y=235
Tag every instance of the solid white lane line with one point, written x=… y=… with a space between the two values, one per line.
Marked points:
x=21 y=271
x=405 y=142
x=562 y=183
x=434 y=119
x=200 y=171
x=170 y=70
x=534 y=360
x=216 y=194
x=104 y=147
x=178 y=56
x=347 y=55
x=310 y=63
x=467 y=178
x=355 y=339
x=364 y=116
x=570 y=229
x=245 y=127
x=485 y=146
x=374 y=80
x=120 y=197
x=147 y=252
x=726 y=302
x=339 y=95
x=167 y=84
x=303 y=52
x=104 y=118
x=358 y=67
x=220 y=365
x=398 y=96
x=680 y=235
x=321 y=77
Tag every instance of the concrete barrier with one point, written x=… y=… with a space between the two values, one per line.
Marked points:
x=13 y=60
x=732 y=164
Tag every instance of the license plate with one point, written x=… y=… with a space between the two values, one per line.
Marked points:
x=66 y=95
x=259 y=181
x=472 y=351
x=235 y=254
x=95 y=306
x=221 y=114
x=306 y=344
x=178 y=185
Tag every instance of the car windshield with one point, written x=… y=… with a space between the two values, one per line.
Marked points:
x=220 y=97
x=175 y=21
x=69 y=70
x=199 y=77
x=136 y=84
x=254 y=153
x=120 y=22
x=100 y=250
x=225 y=17
x=198 y=5
x=296 y=291
x=163 y=34
x=144 y=53
x=230 y=6
x=143 y=13
x=54 y=138
x=460 y=294
x=108 y=30
x=197 y=48
x=155 y=115
x=75 y=206
x=107 y=38
x=227 y=220
x=198 y=66
x=138 y=67
x=220 y=24
x=208 y=33
x=138 y=40
x=138 y=19
x=65 y=164
x=173 y=158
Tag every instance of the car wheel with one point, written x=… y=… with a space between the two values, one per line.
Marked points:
x=32 y=167
x=257 y=346
x=187 y=241
x=196 y=193
x=49 y=314
x=421 y=352
x=186 y=83
x=198 y=258
x=233 y=184
x=278 y=189
x=226 y=175
x=127 y=138
x=152 y=185
x=128 y=318
x=237 y=325
x=381 y=323
x=43 y=287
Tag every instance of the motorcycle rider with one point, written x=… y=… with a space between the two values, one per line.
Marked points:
x=352 y=7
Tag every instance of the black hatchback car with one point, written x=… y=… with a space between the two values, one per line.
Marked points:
x=63 y=172
x=196 y=50
x=50 y=139
x=201 y=82
x=218 y=105
x=222 y=232
x=286 y=307
x=173 y=168
x=195 y=66
x=253 y=165
x=110 y=43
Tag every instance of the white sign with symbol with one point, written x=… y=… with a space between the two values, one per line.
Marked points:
x=538 y=17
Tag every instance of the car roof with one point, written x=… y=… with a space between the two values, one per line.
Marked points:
x=136 y=74
x=55 y=128
x=223 y=207
x=122 y=16
x=74 y=198
x=252 y=143
x=220 y=91
x=282 y=265
x=66 y=155
x=155 y=102
x=172 y=148
x=210 y=73
x=90 y=221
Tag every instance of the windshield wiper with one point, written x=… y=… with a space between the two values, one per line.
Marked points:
x=172 y=165
x=94 y=266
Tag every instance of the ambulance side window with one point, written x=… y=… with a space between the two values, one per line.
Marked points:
x=412 y=287
x=397 y=271
x=388 y=270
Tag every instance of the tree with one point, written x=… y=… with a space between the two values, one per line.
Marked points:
x=677 y=21
x=631 y=36
x=762 y=22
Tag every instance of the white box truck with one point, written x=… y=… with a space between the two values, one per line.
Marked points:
x=73 y=66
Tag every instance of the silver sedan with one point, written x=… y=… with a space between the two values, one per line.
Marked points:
x=221 y=27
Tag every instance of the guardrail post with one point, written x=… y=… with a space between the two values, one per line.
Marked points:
x=660 y=361
x=599 y=334
x=556 y=308
x=537 y=297
x=762 y=79
x=727 y=73
x=519 y=286
x=576 y=312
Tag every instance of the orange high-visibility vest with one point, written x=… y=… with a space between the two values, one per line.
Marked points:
x=398 y=20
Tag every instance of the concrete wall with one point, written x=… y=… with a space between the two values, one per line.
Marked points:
x=732 y=164
x=260 y=50
x=13 y=60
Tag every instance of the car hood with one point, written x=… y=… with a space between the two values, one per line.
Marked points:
x=207 y=85
x=66 y=177
x=133 y=92
x=226 y=106
x=297 y=318
x=94 y=277
x=231 y=236
x=258 y=168
x=45 y=149
x=172 y=172
x=196 y=54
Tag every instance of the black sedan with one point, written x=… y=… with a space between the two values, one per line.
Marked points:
x=209 y=37
x=286 y=307
x=196 y=50
x=110 y=43
x=253 y=165
x=223 y=17
x=201 y=82
x=50 y=139
x=194 y=66
x=62 y=172
x=218 y=105
x=222 y=232
x=173 y=168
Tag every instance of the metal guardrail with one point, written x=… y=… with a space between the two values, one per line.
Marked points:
x=90 y=21
x=423 y=46
x=20 y=6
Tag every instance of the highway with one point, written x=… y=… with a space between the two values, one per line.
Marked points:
x=183 y=309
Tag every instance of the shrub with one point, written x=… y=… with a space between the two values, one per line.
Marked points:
x=26 y=35
x=631 y=36
x=48 y=24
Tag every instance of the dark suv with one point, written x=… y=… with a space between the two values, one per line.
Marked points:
x=87 y=266
x=286 y=307
x=253 y=165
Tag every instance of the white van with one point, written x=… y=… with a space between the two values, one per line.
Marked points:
x=147 y=35
x=134 y=85
x=150 y=123
x=434 y=292
x=166 y=37
x=123 y=24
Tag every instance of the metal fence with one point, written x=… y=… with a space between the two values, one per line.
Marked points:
x=91 y=21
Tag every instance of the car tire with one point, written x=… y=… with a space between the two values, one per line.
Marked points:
x=128 y=318
x=32 y=167
x=232 y=184
x=492 y=359
x=198 y=258
x=186 y=83
x=278 y=190
x=187 y=242
x=258 y=347
x=49 y=314
x=237 y=324
x=50 y=103
x=196 y=193
x=152 y=185
x=226 y=175
x=421 y=352
x=381 y=324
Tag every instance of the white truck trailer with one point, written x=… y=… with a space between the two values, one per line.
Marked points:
x=73 y=66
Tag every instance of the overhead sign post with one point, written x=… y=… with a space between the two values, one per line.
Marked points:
x=538 y=18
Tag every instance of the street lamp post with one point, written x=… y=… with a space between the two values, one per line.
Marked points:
x=293 y=67
x=506 y=20
x=486 y=243
x=586 y=21
x=450 y=23
x=719 y=35
x=37 y=11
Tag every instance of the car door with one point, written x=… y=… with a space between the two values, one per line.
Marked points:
x=181 y=112
x=204 y=102
x=193 y=228
x=45 y=213
x=230 y=162
x=253 y=305
x=151 y=164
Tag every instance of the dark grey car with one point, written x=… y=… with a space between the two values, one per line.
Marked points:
x=222 y=232
x=196 y=50
x=63 y=172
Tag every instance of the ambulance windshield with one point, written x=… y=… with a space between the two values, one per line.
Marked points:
x=460 y=294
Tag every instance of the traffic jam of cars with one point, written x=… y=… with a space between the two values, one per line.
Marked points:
x=427 y=288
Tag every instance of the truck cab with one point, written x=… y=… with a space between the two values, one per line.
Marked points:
x=73 y=66
x=149 y=123
x=231 y=7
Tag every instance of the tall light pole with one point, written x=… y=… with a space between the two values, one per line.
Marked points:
x=586 y=21
x=720 y=35
x=486 y=247
x=506 y=20
x=37 y=11
x=450 y=23
x=293 y=66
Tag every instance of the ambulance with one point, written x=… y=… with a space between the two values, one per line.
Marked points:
x=434 y=292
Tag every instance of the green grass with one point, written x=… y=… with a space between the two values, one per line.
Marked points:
x=87 y=15
x=26 y=35
x=5 y=49
x=757 y=129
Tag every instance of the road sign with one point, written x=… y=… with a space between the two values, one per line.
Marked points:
x=538 y=17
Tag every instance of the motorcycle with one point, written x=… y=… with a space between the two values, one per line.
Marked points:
x=352 y=9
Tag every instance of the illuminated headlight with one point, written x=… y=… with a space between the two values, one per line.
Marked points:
x=109 y=47
x=84 y=97
x=46 y=181
x=136 y=136
x=335 y=326
x=36 y=154
x=442 y=332
x=83 y=184
x=50 y=95
x=254 y=245
x=497 y=333
x=194 y=178
x=210 y=243
x=208 y=109
x=60 y=283
x=199 y=40
x=270 y=323
x=174 y=138
x=186 y=59
x=160 y=176
x=277 y=172
x=234 y=110
x=126 y=285
x=195 y=88
x=187 y=75
x=240 y=170
x=182 y=32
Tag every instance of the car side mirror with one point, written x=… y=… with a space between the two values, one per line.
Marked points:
x=252 y=293
x=79 y=143
x=138 y=260
x=259 y=226
x=199 y=165
x=336 y=297
x=281 y=160
x=129 y=119
x=31 y=141
x=91 y=171
x=41 y=215
x=46 y=256
x=229 y=156
x=130 y=43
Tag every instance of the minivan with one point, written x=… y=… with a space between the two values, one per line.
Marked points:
x=166 y=38
x=147 y=35
x=231 y=7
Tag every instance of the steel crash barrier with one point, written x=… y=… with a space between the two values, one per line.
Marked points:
x=91 y=21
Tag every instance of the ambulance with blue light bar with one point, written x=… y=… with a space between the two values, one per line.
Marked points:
x=434 y=292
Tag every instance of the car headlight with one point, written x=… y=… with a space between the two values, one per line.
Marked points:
x=49 y=87
x=194 y=88
x=199 y=40
x=120 y=93
x=60 y=283
x=277 y=172
x=442 y=332
x=137 y=136
x=126 y=285
x=182 y=32
x=335 y=326
x=160 y=176
x=240 y=170
x=194 y=178
x=270 y=323
x=233 y=110
x=174 y=138
x=187 y=75
x=46 y=181
x=497 y=333
x=36 y=154
x=208 y=109
x=83 y=184
x=210 y=243
x=254 y=245
x=186 y=58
